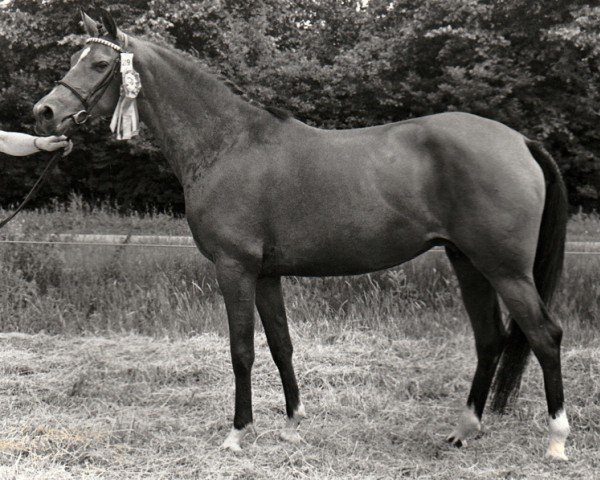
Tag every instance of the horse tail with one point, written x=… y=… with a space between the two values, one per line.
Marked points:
x=546 y=272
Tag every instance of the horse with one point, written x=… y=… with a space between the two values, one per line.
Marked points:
x=268 y=196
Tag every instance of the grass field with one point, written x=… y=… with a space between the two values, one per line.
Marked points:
x=133 y=406
x=121 y=367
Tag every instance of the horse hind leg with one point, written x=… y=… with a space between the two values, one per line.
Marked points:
x=270 y=306
x=481 y=303
x=522 y=300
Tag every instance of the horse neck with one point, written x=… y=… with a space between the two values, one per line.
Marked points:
x=192 y=115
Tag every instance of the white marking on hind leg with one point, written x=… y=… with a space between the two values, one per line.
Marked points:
x=559 y=431
x=234 y=439
x=468 y=424
x=290 y=431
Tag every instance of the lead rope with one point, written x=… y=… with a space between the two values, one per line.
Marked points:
x=34 y=189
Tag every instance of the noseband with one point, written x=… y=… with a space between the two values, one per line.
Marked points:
x=90 y=100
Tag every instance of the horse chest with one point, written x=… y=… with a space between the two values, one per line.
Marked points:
x=224 y=235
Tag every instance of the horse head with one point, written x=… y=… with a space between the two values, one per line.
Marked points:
x=91 y=86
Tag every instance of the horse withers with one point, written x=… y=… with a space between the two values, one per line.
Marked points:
x=267 y=195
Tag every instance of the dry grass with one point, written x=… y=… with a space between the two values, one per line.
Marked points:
x=135 y=407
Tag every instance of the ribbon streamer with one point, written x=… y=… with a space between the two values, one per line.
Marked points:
x=125 y=120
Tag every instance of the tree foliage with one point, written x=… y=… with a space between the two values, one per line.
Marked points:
x=530 y=64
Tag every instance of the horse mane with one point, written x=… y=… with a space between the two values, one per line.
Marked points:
x=280 y=113
x=201 y=67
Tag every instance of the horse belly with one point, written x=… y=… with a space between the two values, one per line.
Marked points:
x=345 y=251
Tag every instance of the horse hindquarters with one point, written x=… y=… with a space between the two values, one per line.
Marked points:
x=547 y=269
x=538 y=330
x=518 y=269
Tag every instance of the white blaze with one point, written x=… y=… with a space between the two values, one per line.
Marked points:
x=83 y=54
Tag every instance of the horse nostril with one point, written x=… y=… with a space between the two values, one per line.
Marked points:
x=47 y=113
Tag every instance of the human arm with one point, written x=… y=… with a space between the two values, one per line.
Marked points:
x=22 y=144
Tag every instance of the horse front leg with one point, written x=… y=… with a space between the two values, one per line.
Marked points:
x=238 y=285
x=269 y=302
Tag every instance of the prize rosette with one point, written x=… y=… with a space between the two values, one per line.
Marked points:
x=131 y=84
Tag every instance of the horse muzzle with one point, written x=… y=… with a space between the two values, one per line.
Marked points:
x=47 y=124
x=45 y=118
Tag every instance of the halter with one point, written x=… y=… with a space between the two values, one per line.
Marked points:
x=90 y=100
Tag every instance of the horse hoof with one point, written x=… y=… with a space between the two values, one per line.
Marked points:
x=232 y=447
x=290 y=436
x=468 y=425
x=556 y=451
x=559 y=457
x=456 y=442
x=234 y=440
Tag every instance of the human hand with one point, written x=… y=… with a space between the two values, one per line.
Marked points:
x=53 y=143
x=68 y=148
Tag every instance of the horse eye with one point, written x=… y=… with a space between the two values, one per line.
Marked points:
x=101 y=65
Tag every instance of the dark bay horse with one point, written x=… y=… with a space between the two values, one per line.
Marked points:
x=267 y=195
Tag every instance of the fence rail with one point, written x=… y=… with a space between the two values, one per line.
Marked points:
x=157 y=241
x=168 y=241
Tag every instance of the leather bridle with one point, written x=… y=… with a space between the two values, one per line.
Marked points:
x=90 y=99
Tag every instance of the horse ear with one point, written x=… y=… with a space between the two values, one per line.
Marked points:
x=89 y=24
x=109 y=24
